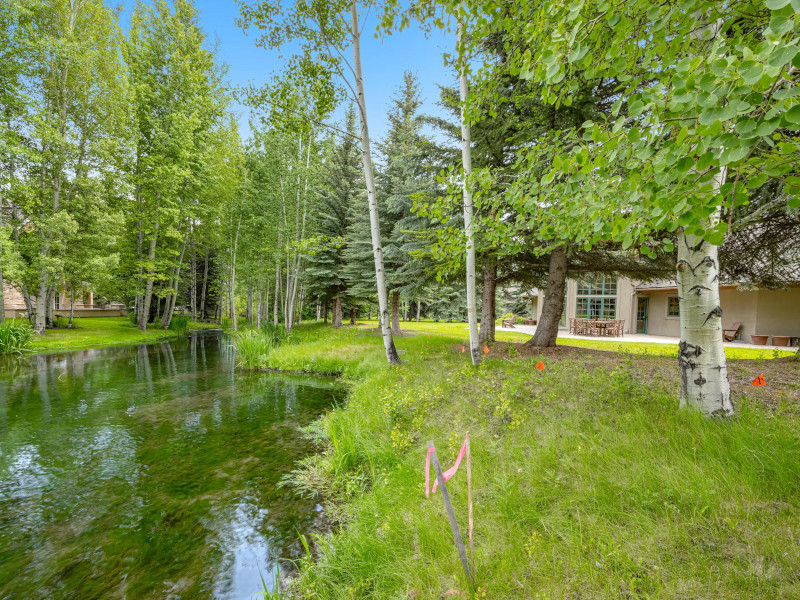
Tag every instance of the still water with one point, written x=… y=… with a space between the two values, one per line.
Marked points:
x=150 y=471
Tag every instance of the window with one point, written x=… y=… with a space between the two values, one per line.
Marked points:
x=597 y=299
x=673 y=306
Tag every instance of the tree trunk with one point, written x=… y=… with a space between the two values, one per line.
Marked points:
x=369 y=176
x=419 y=305
x=325 y=313
x=203 y=293
x=250 y=303
x=701 y=353
x=488 y=304
x=547 y=329
x=193 y=297
x=466 y=159
x=233 y=272
x=71 y=305
x=151 y=255
x=51 y=296
x=169 y=307
x=336 y=319
x=395 y=312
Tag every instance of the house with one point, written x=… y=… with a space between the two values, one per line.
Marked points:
x=653 y=308
x=14 y=304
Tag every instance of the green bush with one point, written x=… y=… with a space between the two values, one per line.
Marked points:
x=179 y=324
x=519 y=320
x=133 y=317
x=226 y=323
x=252 y=348
x=15 y=338
x=60 y=322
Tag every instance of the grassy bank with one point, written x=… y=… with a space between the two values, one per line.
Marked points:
x=588 y=480
x=96 y=332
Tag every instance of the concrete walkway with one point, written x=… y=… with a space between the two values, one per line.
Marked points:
x=631 y=338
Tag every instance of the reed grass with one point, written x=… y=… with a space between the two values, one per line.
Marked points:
x=15 y=337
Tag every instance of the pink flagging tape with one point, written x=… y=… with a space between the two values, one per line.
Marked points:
x=447 y=474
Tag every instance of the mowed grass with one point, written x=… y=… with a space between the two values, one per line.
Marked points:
x=589 y=482
x=461 y=330
x=95 y=332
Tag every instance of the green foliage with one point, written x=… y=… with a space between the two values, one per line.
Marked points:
x=702 y=94
x=60 y=322
x=179 y=324
x=15 y=338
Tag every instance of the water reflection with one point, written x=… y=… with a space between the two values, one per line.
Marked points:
x=149 y=472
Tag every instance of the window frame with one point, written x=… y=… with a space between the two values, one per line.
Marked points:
x=603 y=289
x=671 y=297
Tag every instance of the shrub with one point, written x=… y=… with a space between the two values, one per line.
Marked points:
x=252 y=347
x=15 y=338
x=60 y=322
x=179 y=324
x=226 y=323
x=133 y=317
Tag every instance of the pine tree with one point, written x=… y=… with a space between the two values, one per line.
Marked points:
x=406 y=176
x=340 y=201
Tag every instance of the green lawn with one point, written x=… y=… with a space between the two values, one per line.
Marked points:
x=94 y=332
x=589 y=482
x=461 y=330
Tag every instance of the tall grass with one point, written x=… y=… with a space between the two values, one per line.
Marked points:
x=588 y=480
x=277 y=334
x=252 y=348
x=15 y=338
x=179 y=324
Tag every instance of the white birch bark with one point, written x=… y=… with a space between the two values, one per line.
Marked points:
x=701 y=353
x=369 y=176
x=466 y=159
x=704 y=372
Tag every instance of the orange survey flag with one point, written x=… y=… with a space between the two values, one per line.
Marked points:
x=463 y=349
x=759 y=380
x=486 y=349
x=540 y=366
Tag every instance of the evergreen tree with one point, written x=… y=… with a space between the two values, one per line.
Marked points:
x=337 y=218
x=405 y=177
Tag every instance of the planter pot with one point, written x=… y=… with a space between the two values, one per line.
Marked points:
x=759 y=340
x=780 y=340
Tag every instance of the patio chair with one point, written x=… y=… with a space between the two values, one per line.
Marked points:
x=508 y=322
x=731 y=333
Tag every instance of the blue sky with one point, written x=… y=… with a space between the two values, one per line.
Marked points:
x=383 y=61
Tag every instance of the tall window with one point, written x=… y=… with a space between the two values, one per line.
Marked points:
x=597 y=299
x=673 y=306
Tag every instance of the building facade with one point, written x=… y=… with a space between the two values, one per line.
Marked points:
x=14 y=304
x=653 y=308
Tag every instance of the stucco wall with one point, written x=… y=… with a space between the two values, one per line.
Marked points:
x=658 y=323
x=778 y=312
x=741 y=307
x=763 y=312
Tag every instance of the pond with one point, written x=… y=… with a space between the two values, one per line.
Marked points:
x=150 y=471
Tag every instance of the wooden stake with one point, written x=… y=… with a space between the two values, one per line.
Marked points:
x=469 y=508
x=451 y=515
